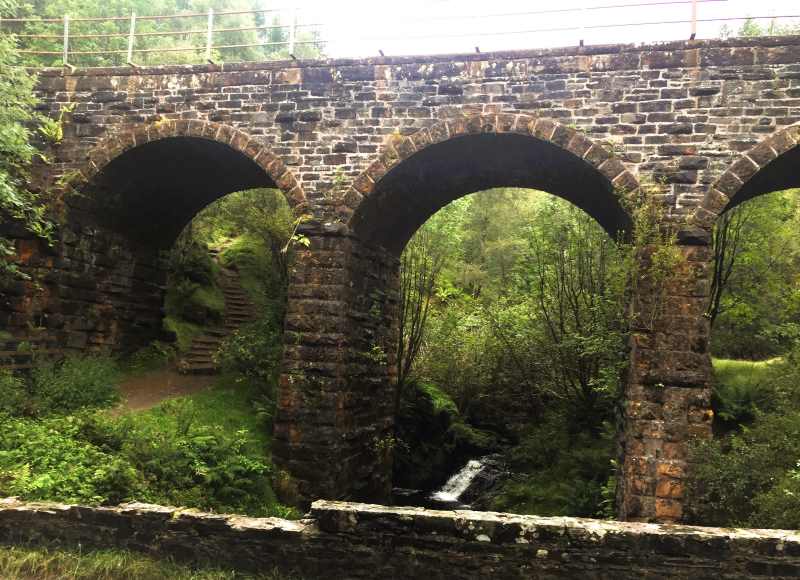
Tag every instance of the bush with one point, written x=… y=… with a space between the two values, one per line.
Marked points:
x=559 y=473
x=741 y=390
x=252 y=354
x=156 y=355
x=191 y=464
x=13 y=394
x=189 y=261
x=49 y=459
x=750 y=478
x=168 y=455
x=74 y=383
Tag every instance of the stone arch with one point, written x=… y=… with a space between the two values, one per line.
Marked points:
x=769 y=166
x=509 y=131
x=148 y=181
x=131 y=197
x=114 y=145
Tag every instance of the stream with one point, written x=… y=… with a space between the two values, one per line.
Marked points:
x=465 y=487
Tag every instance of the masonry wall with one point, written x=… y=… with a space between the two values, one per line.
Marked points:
x=352 y=541
x=672 y=117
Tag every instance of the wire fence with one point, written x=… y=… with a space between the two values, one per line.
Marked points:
x=292 y=33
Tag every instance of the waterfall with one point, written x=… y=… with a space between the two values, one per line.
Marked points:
x=459 y=482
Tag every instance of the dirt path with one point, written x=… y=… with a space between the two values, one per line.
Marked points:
x=142 y=392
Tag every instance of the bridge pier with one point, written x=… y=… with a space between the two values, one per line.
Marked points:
x=335 y=420
x=668 y=392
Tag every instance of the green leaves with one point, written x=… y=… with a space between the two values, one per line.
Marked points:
x=17 y=202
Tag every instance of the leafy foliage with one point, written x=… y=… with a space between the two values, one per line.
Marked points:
x=526 y=327
x=160 y=43
x=558 y=472
x=757 y=311
x=207 y=452
x=17 y=117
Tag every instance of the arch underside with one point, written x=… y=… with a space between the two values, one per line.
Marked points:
x=780 y=174
x=152 y=191
x=430 y=179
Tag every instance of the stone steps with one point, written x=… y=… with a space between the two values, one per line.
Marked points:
x=23 y=352
x=239 y=310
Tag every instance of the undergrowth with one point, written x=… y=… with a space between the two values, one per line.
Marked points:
x=36 y=563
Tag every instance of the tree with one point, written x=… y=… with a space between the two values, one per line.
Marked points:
x=18 y=204
x=727 y=245
x=261 y=213
x=419 y=270
x=755 y=299
x=165 y=36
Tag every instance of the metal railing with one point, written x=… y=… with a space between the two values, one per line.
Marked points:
x=290 y=32
x=67 y=37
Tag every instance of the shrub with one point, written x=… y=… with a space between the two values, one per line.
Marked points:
x=74 y=383
x=48 y=459
x=741 y=390
x=558 y=472
x=189 y=261
x=13 y=394
x=749 y=478
x=253 y=354
x=196 y=465
x=154 y=356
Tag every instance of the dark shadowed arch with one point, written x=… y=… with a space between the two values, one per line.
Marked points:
x=418 y=175
x=772 y=165
x=148 y=182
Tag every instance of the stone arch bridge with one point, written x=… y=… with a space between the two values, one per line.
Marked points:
x=372 y=148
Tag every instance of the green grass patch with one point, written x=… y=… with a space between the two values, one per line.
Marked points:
x=741 y=389
x=184 y=331
x=228 y=405
x=442 y=402
x=29 y=563
x=210 y=298
x=742 y=373
x=252 y=259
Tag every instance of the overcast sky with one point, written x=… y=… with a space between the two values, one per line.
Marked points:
x=362 y=27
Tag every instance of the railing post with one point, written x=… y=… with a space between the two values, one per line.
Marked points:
x=66 y=40
x=210 y=35
x=293 y=31
x=131 y=38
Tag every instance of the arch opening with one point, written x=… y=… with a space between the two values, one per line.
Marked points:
x=149 y=193
x=428 y=180
x=754 y=314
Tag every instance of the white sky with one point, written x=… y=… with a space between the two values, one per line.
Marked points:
x=359 y=28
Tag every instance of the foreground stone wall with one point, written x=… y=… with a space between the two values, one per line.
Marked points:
x=340 y=541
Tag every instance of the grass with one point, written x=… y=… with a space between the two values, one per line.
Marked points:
x=739 y=374
x=741 y=387
x=226 y=404
x=185 y=331
x=210 y=297
x=252 y=259
x=442 y=402
x=28 y=563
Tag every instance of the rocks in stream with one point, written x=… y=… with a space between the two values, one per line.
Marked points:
x=478 y=493
x=469 y=488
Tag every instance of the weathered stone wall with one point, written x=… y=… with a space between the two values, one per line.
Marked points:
x=90 y=290
x=349 y=541
x=356 y=144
